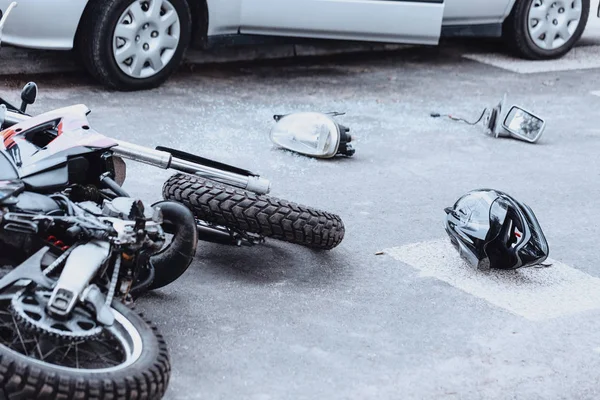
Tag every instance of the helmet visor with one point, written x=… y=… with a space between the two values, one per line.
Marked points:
x=515 y=238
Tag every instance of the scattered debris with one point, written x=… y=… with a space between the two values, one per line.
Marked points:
x=312 y=134
x=517 y=122
x=492 y=230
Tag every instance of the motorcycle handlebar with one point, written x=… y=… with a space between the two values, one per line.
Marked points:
x=165 y=160
x=13 y=118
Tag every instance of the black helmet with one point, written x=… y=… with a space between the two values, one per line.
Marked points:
x=491 y=229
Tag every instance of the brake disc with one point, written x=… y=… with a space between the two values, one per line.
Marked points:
x=29 y=309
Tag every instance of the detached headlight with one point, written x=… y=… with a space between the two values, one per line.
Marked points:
x=312 y=134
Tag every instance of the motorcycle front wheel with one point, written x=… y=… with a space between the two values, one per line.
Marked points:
x=128 y=360
x=248 y=212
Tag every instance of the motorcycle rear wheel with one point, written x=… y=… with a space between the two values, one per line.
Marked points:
x=245 y=211
x=142 y=374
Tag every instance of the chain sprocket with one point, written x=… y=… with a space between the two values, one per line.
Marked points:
x=29 y=308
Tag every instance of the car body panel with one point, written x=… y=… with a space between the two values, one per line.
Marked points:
x=43 y=24
x=224 y=17
x=52 y=24
x=416 y=21
x=470 y=12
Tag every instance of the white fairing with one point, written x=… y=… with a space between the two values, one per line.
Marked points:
x=372 y=20
x=43 y=24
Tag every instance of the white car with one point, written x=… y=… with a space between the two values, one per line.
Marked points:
x=137 y=44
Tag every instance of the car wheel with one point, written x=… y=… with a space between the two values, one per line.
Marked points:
x=545 y=29
x=134 y=44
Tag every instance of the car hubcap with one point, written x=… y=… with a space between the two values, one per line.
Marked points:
x=146 y=37
x=553 y=22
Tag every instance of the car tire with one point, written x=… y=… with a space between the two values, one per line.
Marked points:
x=524 y=33
x=146 y=35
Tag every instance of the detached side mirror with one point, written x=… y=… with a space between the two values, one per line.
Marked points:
x=492 y=120
x=517 y=123
x=28 y=95
x=524 y=125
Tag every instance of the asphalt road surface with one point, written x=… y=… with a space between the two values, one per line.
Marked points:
x=279 y=321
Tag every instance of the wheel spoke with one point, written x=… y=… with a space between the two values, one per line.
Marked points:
x=573 y=14
x=538 y=13
x=169 y=42
x=125 y=52
x=19 y=334
x=549 y=39
x=538 y=31
x=155 y=60
x=137 y=14
x=564 y=33
x=37 y=346
x=126 y=31
x=98 y=356
x=168 y=20
x=154 y=10
x=76 y=356
x=136 y=66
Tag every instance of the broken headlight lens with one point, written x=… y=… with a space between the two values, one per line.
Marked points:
x=312 y=134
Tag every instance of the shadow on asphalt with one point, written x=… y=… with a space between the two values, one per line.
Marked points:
x=273 y=262
x=449 y=50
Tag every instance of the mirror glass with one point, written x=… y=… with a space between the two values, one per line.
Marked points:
x=523 y=124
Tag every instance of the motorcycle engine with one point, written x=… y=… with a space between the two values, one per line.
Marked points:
x=128 y=209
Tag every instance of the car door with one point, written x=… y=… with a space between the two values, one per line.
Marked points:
x=402 y=21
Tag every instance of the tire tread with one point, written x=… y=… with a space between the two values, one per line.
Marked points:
x=236 y=208
x=21 y=380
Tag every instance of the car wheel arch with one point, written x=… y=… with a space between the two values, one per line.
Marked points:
x=198 y=9
x=509 y=7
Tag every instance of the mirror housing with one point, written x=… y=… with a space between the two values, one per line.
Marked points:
x=492 y=119
x=523 y=125
x=28 y=95
x=517 y=123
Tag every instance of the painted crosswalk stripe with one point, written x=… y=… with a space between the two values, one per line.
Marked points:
x=533 y=293
x=584 y=57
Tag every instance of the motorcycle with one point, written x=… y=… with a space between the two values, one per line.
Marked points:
x=59 y=151
x=69 y=271
x=76 y=249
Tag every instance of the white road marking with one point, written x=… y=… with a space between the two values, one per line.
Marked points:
x=583 y=57
x=595 y=92
x=533 y=293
